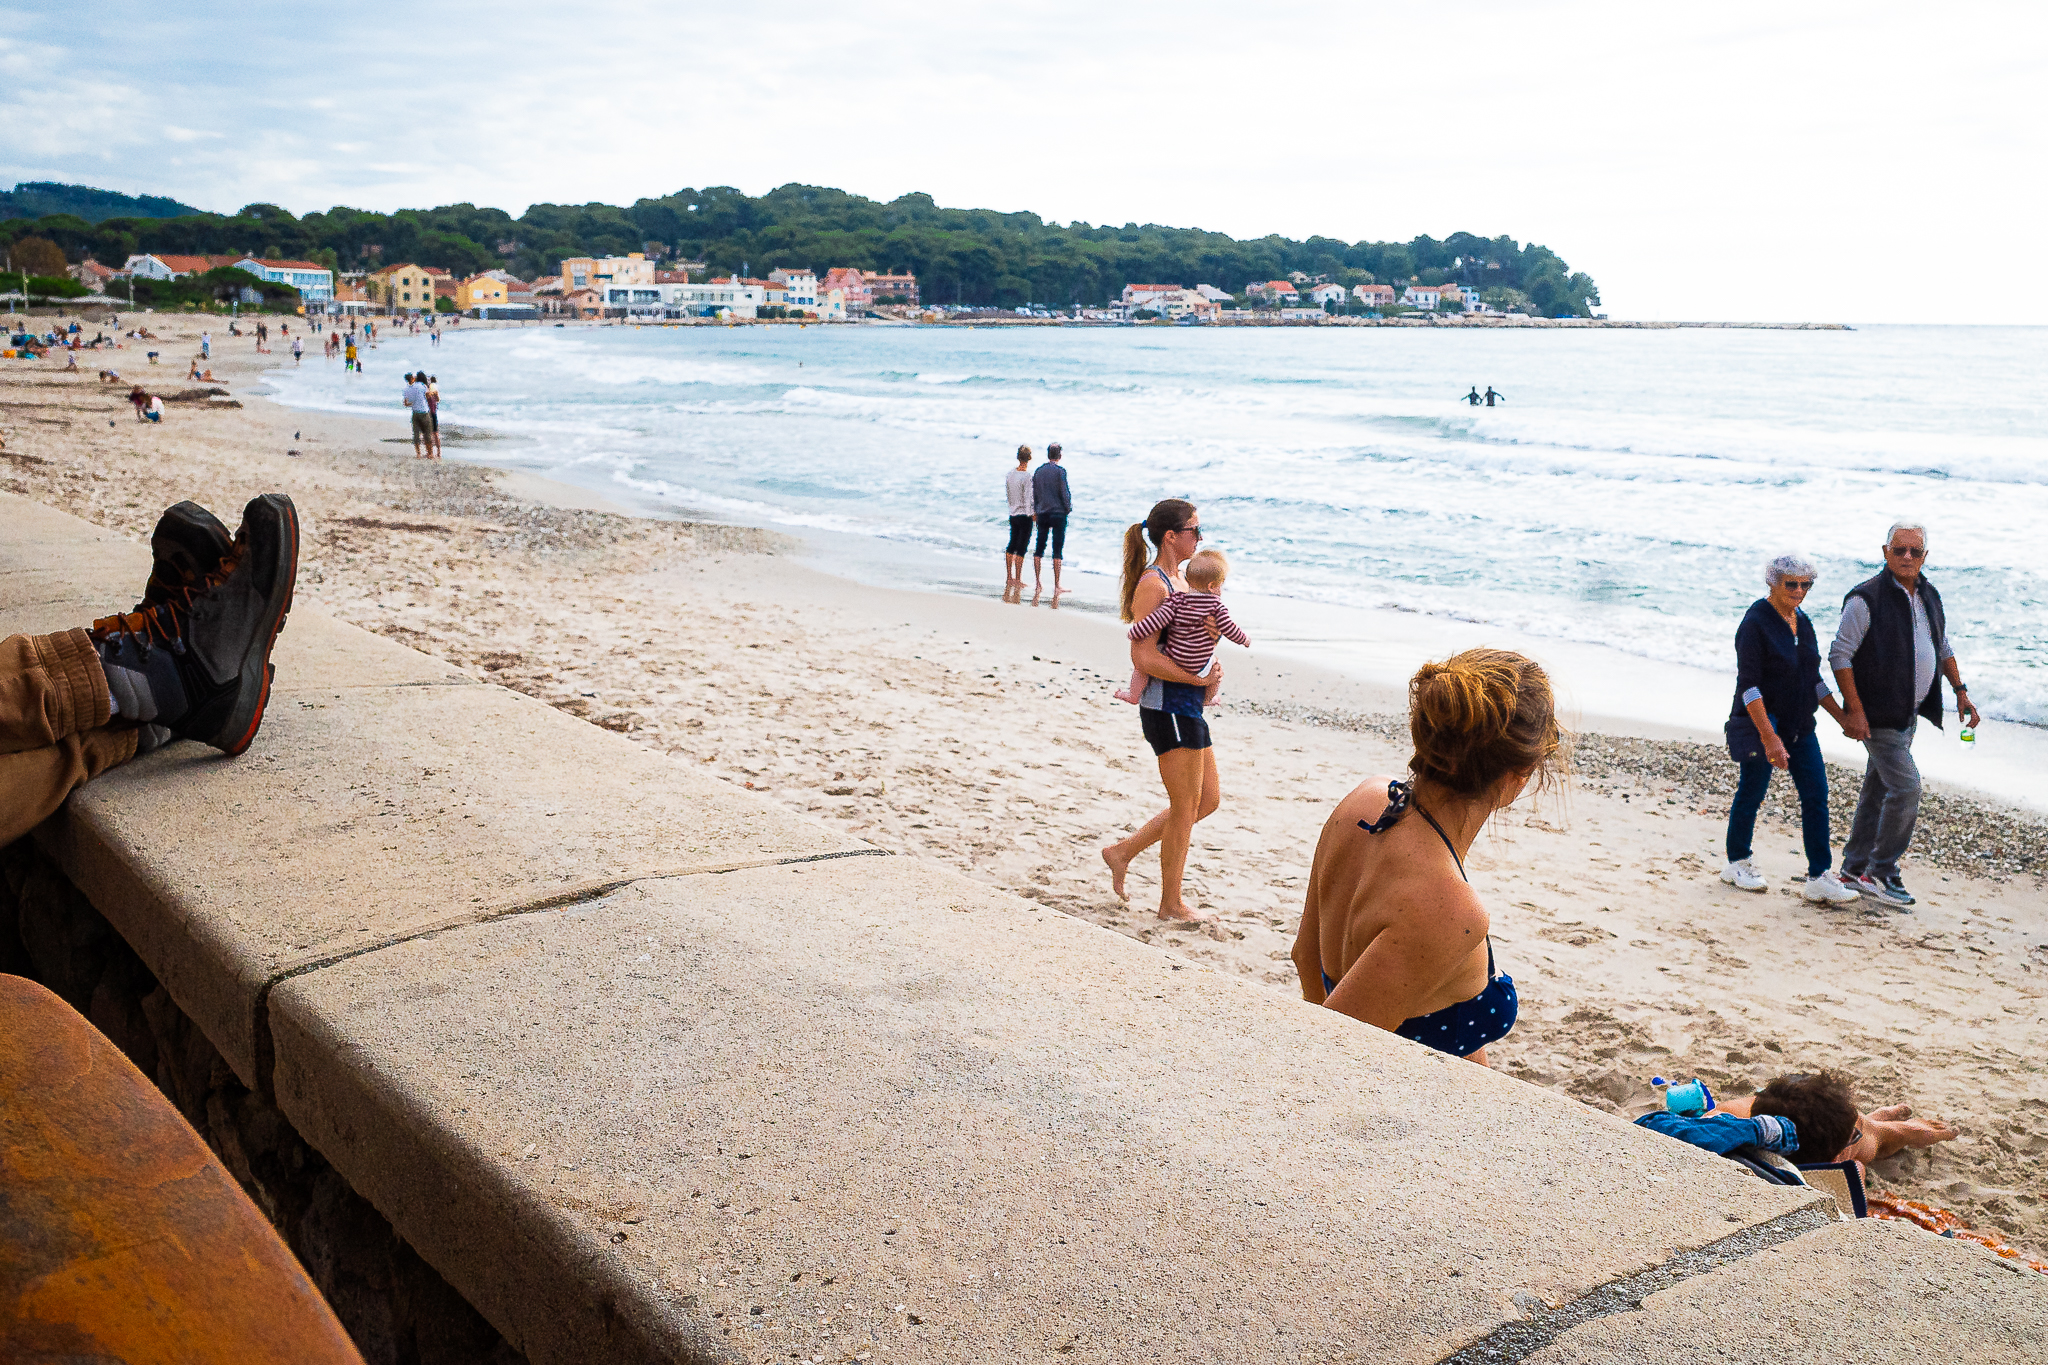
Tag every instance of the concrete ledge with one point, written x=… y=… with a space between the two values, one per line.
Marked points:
x=1864 y=1293
x=624 y=1127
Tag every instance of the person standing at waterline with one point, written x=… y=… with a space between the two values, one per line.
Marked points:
x=1170 y=707
x=1889 y=647
x=1052 y=502
x=1017 y=484
x=1778 y=689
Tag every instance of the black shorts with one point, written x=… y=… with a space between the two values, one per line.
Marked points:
x=1166 y=731
x=437 y=419
x=1020 y=535
x=1056 y=523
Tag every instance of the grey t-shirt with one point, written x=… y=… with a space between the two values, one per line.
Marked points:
x=416 y=397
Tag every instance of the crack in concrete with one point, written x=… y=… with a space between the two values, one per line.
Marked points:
x=576 y=895
x=1517 y=1341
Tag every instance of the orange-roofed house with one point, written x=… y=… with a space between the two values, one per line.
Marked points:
x=160 y=266
x=1374 y=295
x=855 y=296
x=404 y=286
x=899 y=288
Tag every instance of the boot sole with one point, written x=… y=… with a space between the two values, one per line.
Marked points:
x=247 y=717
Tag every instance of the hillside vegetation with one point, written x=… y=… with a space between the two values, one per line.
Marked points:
x=973 y=256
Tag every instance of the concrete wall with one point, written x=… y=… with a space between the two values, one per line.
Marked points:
x=649 y=1068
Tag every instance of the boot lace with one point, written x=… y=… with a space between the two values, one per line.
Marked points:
x=164 y=623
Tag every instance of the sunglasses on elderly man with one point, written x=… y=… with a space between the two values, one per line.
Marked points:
x=1907 y=551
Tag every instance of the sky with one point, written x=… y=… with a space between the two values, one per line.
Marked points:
x=1781 y=161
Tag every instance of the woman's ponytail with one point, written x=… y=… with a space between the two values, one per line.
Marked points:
x=1134 y=564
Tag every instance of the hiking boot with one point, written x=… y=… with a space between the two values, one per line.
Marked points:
x=1827 y=889
x=188 y=544
x=1743 y=876
x=198 y=662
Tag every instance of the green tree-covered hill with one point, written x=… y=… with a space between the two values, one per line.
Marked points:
x=972 y=256
x=42 y=198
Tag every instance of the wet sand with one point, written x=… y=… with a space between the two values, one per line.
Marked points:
x=983 y=736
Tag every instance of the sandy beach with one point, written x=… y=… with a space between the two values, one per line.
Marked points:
x=984 y=736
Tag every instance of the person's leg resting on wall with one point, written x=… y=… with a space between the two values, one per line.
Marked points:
x=192 y=661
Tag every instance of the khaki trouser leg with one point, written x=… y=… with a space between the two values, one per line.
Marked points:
x=54 y=709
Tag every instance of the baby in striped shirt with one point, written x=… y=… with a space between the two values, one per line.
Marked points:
x=1181 y=616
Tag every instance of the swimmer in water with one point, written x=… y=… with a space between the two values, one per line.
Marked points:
x=1473 y=397
x=1491 y=396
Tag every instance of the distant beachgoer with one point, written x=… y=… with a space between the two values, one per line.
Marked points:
x=1473 y=397
x=348 y=354
x=298 y=349
x=1492 y=397
x=1052 y=503
x=153 y=411
x=1169 y=709
x=1778 y=688
x=71 y=360
x=1017 y=484
x=193 y=373
x=140 y=398
x=415 y=398
x=206 y=345
x=1890 y=644
x=434 y=411
x=1393 y=934
x=1179 y=624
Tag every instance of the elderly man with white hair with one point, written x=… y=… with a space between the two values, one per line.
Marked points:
x=1892 y=641
x=1778 y=688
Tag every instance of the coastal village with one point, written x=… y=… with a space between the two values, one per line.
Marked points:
x=638 y=287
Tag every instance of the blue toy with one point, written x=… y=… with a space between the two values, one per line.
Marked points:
x=1689 y=1098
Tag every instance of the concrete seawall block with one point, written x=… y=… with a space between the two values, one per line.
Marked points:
x=1863 y=1293
x=365 y=815
x=868 y=1103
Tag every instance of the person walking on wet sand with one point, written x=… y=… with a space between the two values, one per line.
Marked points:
x=1017 y=486
x=1051 y=503
x=1778 y=689
x=1891 y=649
x=1393 y=933
x=1169 y=709
x=414 y=397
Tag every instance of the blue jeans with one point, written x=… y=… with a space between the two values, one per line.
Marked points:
x=1810 y=776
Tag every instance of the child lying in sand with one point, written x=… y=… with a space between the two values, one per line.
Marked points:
x=1182 y=616
x=1826 y=1124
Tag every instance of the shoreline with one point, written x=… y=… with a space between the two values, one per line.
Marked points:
x=956 y=729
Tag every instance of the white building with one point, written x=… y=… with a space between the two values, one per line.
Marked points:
x=1422 y=296
x=1326 y=293
x=800 y=288
x=1212 y=293
x=730 y=296
x=315 y=282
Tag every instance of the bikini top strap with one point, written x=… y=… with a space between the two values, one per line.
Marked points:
x=1447 y=844
x=1164 y=577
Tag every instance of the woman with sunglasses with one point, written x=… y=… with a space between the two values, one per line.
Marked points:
x=1778 y=689
x=1170 y=707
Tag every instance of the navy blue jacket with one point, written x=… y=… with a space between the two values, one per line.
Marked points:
x=1784 y=667
x=1049 y=490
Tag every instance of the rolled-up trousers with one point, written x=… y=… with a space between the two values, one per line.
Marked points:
x=54 y=708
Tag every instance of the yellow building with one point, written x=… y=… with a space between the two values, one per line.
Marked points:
x=405 y=287
x=482 y=291
x=595 y=272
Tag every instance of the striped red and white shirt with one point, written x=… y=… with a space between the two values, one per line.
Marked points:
x=1185 y=642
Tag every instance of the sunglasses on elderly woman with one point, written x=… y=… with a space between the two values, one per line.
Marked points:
x=1795 y=584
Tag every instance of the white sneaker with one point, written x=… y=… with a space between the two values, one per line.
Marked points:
x=1827 y=889
x=1743 y=876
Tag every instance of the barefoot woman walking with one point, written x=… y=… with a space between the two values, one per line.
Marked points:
x=1170 y=709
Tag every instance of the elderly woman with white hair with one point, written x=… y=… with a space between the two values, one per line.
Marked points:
x=1778 y=688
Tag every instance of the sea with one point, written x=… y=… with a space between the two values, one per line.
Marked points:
x=1624 y=495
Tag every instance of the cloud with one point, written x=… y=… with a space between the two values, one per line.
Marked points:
x=1751 y=160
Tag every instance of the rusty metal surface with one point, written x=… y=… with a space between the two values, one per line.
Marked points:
x=121 y=1237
